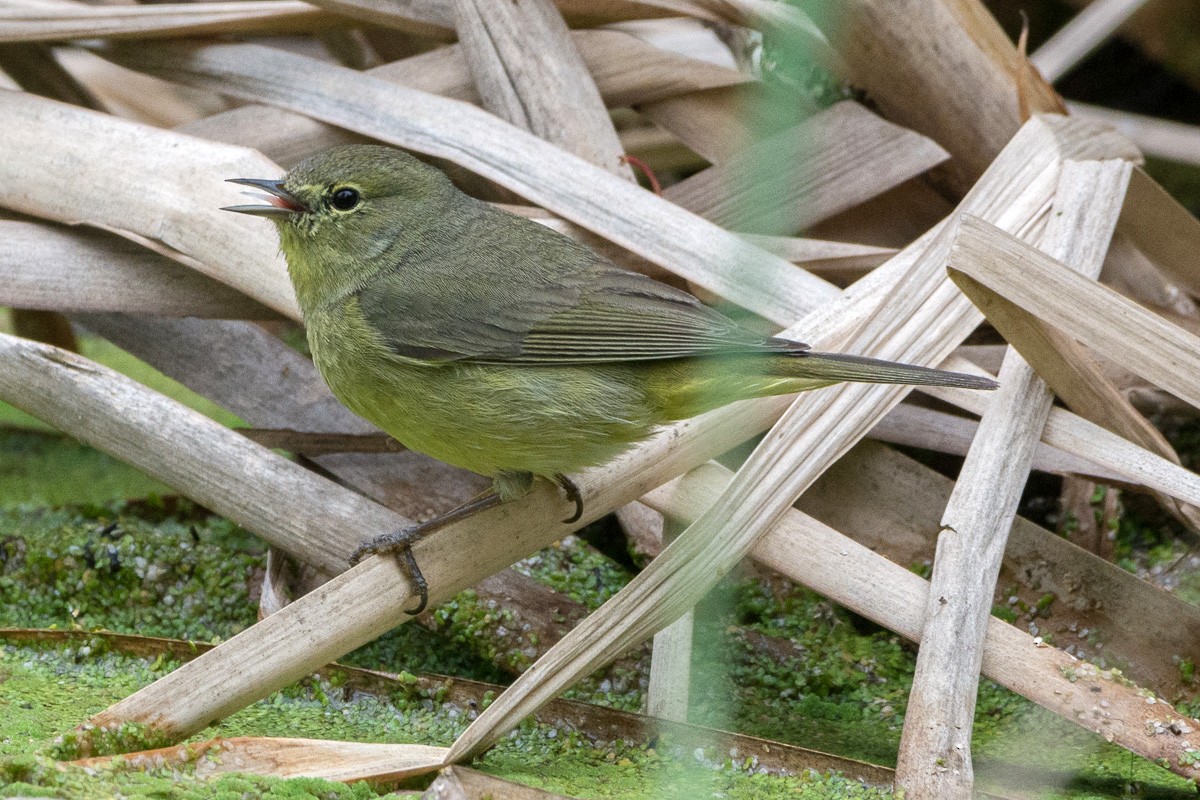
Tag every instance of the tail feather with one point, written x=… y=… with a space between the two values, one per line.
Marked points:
x=843 y=367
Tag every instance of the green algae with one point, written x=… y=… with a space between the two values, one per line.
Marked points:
x=549 y=758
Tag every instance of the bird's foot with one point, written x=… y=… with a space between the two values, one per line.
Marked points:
x=398 y=543
x=573 y=494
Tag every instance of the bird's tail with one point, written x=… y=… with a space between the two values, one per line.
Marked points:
x=841 y=367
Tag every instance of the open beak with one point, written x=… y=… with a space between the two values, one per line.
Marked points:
x=280 y=201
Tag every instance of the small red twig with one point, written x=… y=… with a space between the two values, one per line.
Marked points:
x=637 y=163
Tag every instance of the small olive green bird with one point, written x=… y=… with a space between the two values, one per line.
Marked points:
x=497 y=345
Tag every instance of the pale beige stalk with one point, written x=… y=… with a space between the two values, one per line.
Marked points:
x=935 y=746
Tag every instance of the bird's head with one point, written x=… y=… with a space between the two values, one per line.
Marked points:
x=340 y=211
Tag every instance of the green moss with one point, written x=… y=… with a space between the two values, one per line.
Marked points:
x=45 y=780
x=844 y=692
x=1034 y=744
x=651 y=775
x=561 y=761
x=415 y=649
x=166 y=570
x=105 y=568
x=554 y=759
x=1187 y=670
x=1044 y=602
x=88 y=740
x=577 y=571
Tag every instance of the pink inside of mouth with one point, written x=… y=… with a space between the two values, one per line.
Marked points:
x=280 y=202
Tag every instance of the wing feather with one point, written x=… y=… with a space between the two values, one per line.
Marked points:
x=507 y=305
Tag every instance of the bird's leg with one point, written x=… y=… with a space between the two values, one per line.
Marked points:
x=572 y=492
x=507 y=486
x=400 y=542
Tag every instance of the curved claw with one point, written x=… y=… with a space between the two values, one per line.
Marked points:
x=418 y=580
x=572 y=492
x=400 y=543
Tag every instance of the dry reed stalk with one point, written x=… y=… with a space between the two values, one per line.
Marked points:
x=670 y=680
x=825 y=258
x=626 y=71
x=1074 y=375
x=928 y=429
x=708 y=121
x=935 y=747
x=1162 y=229
x=966 y=67
x=154 y=183
x=34 y=68
x=1098 y=317
x=743 y=194
x=290 y=758
x=435 y=18
x=1078 y=38
x=132 y=95
x=828 y=260
x=460 y=783
x=56 y=22
x=974 y=87
x=852 y=575
x=50 y=267
x=1160 y=138
x=528 y=72
x=892 y=505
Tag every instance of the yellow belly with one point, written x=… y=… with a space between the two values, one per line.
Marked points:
x=485 y=418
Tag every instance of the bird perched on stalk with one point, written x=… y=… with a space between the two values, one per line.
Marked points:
x=495 y=344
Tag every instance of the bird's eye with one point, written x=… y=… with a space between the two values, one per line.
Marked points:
x=345 y=199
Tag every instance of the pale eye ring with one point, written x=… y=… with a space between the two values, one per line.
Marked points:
x=345 y=198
